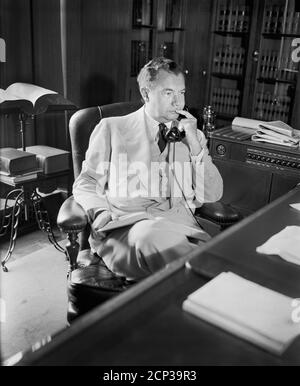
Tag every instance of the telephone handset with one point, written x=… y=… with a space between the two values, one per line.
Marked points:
x=174 y=134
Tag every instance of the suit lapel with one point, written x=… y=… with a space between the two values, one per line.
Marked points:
x=136 y=141
x=135 y=137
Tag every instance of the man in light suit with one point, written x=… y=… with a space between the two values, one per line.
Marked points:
x=130 y=167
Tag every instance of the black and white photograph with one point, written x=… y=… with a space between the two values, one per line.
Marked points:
x=149 y=186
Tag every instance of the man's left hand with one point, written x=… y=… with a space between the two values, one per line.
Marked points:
x=189 y=125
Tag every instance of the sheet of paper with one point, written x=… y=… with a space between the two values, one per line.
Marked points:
x=285 y=244
x=295 y=206
x=263 y=319
x=248 y=123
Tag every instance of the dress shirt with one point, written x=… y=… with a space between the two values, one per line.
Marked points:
x=153 y=128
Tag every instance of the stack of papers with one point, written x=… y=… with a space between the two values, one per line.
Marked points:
x=276 y=132
x=246 y=309
x=267 y=133
x=285 y=244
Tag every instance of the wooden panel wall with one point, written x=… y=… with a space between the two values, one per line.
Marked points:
x=197 y=48
x=15 y=29
x=31 y=29
x=47 y=68
x=97 y=40
x=97 y=57
x=105 y=50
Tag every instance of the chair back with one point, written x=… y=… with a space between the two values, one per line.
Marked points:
x=81 y=125
x=83 y=122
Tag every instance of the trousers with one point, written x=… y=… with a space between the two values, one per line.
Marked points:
x=141 y=249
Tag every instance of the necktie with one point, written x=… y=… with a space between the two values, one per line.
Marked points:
x=161 y=139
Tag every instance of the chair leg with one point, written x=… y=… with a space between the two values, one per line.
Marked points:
x=72 y=248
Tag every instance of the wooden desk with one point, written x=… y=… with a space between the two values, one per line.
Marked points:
x=147 y=326
x=254 y=174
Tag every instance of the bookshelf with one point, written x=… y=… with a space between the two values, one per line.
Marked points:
x=230 y=34
x=277 y=73
x=157 y=30
x=252 y=72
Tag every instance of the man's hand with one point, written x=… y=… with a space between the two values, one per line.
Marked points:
x=189 y=125
x=102 y=219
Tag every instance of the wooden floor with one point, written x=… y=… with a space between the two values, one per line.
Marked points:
x=28 y=243
x=35 y=240
x=33 y=293
x=30 y=239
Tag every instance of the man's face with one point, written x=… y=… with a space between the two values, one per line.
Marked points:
x=167 y=96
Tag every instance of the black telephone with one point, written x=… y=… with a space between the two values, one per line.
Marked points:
x=174 y=134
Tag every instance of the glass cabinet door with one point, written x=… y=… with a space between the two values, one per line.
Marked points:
x=231 y=34
x=157 y=30
x=255 y=54
x=277 y=70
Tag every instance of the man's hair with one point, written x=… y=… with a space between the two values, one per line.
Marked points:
x=148 y=74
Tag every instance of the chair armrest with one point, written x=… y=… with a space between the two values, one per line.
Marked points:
x=72 y=219
x=71 y=216
x=219 y=213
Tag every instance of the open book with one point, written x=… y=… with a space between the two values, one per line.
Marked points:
x=276 y=132
x=246 y=309
x=31 y=99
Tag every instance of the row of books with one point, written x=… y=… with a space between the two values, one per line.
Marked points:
x=272 y=66
x=276 y=20
x=268 y=64
x=229 y=60
x=268 y=108
x=225 y=100
x=233 y=17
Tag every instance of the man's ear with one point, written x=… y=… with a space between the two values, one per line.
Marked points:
x=145 y=94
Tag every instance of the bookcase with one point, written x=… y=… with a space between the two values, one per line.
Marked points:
x=276 y=73
x=252 y=71
x=157 y=30
x=230 y=42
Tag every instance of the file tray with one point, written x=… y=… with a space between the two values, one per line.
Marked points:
x=50 y=159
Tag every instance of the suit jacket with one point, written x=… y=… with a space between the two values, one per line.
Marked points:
x=118 y=173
